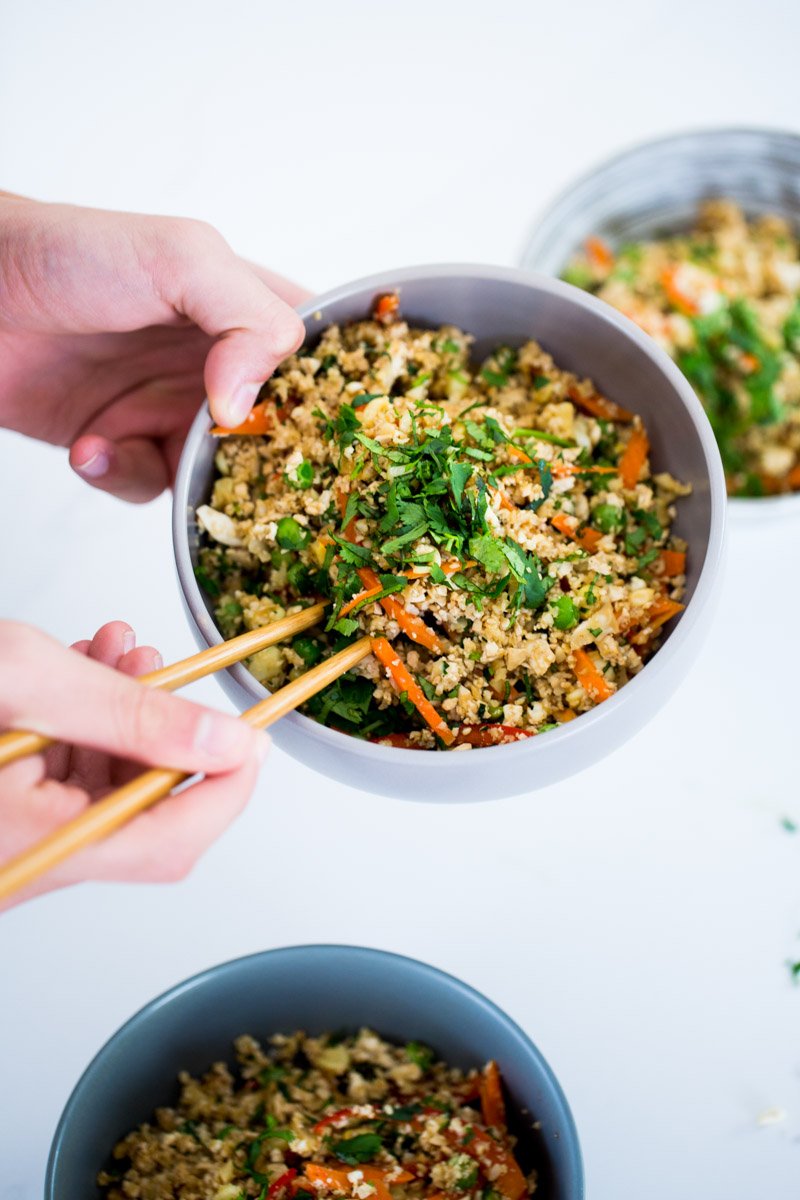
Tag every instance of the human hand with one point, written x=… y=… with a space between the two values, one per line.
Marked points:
x=117 y=726
x=109 y=323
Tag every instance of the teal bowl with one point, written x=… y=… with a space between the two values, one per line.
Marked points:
x=313 y=988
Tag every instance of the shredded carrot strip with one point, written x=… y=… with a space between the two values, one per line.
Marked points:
x=386 y=307
x=337 y=1180
x=411 y=625
x=634 y=457
x=599 y=254
x=509 y=1181
x=561 y=469
x=588 y=539
x=600 y=406
x=677 y=294
x=492 y=1104
x=661 y=611
x=593 y=682
x=258 y=421
x=365 y=595
x=349 y=530
x=671 y=563
x=404 y=681
x=518 y=453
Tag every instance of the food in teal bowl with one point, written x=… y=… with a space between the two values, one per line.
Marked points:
x=404 y=1083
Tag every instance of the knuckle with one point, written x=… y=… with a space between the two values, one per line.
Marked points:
x=140 y=719
x=196 y=235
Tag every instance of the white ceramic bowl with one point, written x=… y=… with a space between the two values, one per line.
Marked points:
x=498 y=304
x=655 y=189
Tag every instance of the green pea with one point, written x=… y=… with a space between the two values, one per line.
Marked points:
x=302 y=476
x=290 y=535
x=567 y=615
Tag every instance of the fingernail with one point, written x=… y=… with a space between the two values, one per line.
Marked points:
x=219 y=737
x=128 y=641
x=240 y=403
x=158 y=661
x=263 y=743
x=94 y=467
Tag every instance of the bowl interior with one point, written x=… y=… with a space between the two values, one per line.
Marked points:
x=581 y=334
x=316 y=988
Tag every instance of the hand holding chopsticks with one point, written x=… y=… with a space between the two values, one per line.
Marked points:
x=20 y=744
x=118 y=807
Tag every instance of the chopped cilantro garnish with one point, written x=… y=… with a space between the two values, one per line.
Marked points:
x=465 y=1170
x=608 y=517
x=209 y=585
x=541 y=435
x=421 y=1055
x=505 y=362
x=545 y=482
x=361 y=1148
x=488 y=550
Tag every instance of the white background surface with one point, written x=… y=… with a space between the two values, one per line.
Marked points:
x=636 y=919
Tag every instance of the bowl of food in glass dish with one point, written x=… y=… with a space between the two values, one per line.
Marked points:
x=696 y=237
x=507 y=486
x=317 y=1073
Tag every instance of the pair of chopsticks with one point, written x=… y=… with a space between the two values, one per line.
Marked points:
x=120 y=806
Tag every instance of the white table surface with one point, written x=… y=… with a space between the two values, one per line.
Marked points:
x=636 y=919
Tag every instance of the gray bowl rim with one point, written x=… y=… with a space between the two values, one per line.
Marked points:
x=568 y=1131
x=703 y=594
x=743 y=507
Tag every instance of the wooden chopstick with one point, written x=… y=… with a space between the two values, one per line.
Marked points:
x=20 y=743
x=114 y=810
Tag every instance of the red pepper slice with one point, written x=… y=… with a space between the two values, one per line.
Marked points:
x=333 y=1118
x=281 y=1182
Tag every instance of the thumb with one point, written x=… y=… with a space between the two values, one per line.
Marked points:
x=201 y=277
x=133 y=468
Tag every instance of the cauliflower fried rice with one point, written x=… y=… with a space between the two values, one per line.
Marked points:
x=312 y=1118
x=724 y=301
x=495 y=528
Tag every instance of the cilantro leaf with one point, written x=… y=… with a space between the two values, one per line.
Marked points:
x=460 y=473
x=488 y=550
x=421 y=1055
x=351 y=552
x=410 y=535
x=361 y=1148
x=546 y=483
x=525 y=569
